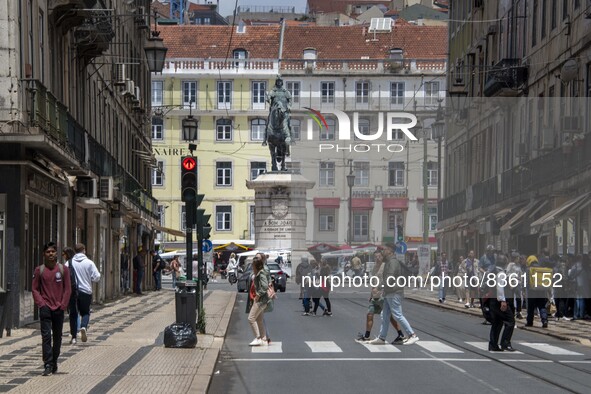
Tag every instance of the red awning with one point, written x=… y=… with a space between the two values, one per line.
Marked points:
x=362 y=203
x=395 y=203
x=431 y=200
x=326 y=202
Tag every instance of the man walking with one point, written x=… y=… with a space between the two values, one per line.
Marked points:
x=502 y=313
x=139 y=264
x=51 y=292
x=393 y=296
x=445 y=271
x=157 y=266
x=86 y=274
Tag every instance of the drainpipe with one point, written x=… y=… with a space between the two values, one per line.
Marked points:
x=281 y=34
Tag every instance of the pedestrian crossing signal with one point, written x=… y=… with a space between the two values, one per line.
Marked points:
x=399 y=233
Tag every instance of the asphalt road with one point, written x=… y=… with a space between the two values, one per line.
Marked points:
x=319 y=354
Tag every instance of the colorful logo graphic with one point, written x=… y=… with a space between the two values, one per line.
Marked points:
x=317 y=116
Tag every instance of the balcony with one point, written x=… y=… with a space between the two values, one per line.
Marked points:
x=507 y=78
x=68 y=14
x=94 y=36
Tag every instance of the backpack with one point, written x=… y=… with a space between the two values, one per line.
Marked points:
x=540 y=278
x=162 y=264
x=60 y=266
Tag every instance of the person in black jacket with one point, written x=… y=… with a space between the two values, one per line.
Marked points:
x=68 y=253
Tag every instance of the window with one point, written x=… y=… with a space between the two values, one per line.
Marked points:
x=396 y=173
x=360 y=226
x=431 y=93
x=544 y=7
x=327 y=92
x=397 y=134
x=361 y=171
x=258 y=95
x=239 y=54
x=327 y=133
x=362 y=92
x=326 y=173
x=157 y=93
x=257 y=129
x=553 y=14
x=363 y=126
x=157 y=176
x=326 y=220
x=223 y=218
x=293 y=166
x=577 y=4
x=224 y=173
x=223 y=130
x=157 y=128
x=257 y=168
x=294 y=89
x=207 y=21
x=432 y=174
x=397 y=93
x=224 y=94
x=432 y=218
x=190 y=94
x=296 y=134
x=564 y=9
x=534 y=24
x=394 y=218
x=161 y=210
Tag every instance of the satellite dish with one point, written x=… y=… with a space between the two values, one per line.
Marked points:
x=569 y=70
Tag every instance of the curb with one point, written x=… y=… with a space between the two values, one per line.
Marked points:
x=471 y=311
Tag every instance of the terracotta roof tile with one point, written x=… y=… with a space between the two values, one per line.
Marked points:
x=201 y=41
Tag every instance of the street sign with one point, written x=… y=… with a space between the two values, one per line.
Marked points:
x=424 y=254
x=401 y=247
x=206 y=246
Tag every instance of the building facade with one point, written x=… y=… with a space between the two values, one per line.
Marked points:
x=75 y=150
x=366 y=75
x=517 y=150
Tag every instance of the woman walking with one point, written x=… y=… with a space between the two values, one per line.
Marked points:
x=68 y=253
x=255 y=317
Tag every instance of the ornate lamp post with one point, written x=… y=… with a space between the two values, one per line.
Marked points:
x=155 y=49
x=350 y=183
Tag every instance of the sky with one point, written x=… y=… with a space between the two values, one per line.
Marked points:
x=226 y=7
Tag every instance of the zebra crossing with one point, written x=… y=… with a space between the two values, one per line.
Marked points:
x=435 y=347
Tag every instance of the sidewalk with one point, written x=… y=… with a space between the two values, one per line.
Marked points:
x=578 y=331
x=124 y=352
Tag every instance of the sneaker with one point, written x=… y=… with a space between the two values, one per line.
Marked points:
x=377 y=341
x=441 y=300
x=362 y=338
x=467 y=305
x=519 y=315
x=48 y=370
x=545 y=325
x=83 y=334
x=399 y=340
x=54 y=369
x=410 y=340
x=460 y=300
x=312 y=313
x=256 y=342
x=306 y=314
x=73 y=341
x=327 y=313
x=265 y=341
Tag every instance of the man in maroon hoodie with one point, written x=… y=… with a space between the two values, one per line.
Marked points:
x=51 y=292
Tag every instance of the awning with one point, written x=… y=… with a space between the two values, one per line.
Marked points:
x=395 y=203
x=529 y=210
x=565 y=210
x=169 y=230
x=231 y=247
x=327 y=202
x=362 y=203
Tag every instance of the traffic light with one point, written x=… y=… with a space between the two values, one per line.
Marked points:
x=400 y=233
x=189 y=188
x=206 y=232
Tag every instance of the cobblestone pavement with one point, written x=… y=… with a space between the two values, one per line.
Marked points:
x=124 y=352
x=578 y=330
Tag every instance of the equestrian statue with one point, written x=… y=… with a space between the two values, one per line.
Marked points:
x=278 y=130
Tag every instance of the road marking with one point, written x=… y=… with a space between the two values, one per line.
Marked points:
x=484 y=346
x=437 y=347
x=550 y=349
x=324 y=347
x=273 y=347
x=386 y=348
x=576 y=361
x=364 y=359
x=516 y=360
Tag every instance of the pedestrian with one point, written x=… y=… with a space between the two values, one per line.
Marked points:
x=579 y=276
x=68 y=253
x=315 y=290
x=513 y=290
x=356 y=265
x=303 y=279
x=461 y=273
x=376 y=303
x=124 y=273
x=260 y=285
x=139 y=264
x=536 y=295
x=86 y=274
x=325 y=287
x=157 y=265
x=444 y=270
x=393 y=296
x=502 y=311
x=51 y=293
x=175 y=270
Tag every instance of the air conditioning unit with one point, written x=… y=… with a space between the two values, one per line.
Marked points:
x=86 y=188
x=140 y=18
x=128 y=88
x=120 y=74
x=136 y=95
x=570 y=124
x=106 y=188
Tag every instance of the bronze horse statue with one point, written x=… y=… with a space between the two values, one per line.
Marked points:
x=278 y=135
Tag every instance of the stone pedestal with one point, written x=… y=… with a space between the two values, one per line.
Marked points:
x=280 y=212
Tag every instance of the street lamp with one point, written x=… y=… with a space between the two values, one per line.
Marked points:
x=350 y=183
x=155 y=49
x=438 y=131
x=190 y=126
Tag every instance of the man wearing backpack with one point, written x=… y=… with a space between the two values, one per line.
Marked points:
x=304 y=270
x=86 y=274
x=51 y=293
x=536 y=294
x=158 y=264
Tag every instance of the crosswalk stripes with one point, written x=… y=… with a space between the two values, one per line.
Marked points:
x=484 y=346
x=550 y=349
x=437 y=347
x=429 y=346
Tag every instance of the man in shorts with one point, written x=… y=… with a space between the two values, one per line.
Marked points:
x=376 y=303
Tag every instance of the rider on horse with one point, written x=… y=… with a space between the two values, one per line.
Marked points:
x=278 y=130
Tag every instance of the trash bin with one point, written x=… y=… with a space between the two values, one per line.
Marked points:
x=185 y=303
